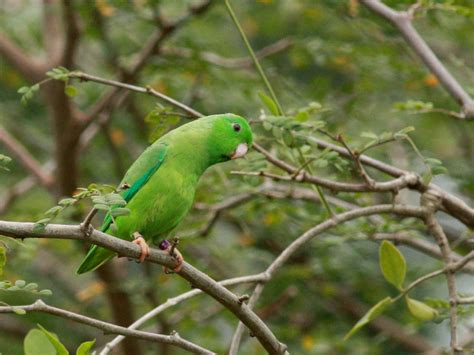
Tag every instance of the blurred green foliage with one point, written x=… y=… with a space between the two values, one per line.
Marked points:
x=347 y=71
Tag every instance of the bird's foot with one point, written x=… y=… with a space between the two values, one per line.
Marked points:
x=140 y=241
x=165 y=245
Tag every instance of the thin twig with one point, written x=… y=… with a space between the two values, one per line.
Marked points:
x=148 y=90
x=176 y=300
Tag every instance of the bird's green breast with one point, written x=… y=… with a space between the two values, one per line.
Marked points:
x=160 y=205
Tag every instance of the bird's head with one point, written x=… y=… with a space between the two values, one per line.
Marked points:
x=230 y=138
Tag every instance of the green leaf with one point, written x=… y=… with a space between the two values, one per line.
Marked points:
x=23 y=89
x=302 y=116
x=99 y=200
x=115 y=199
x=369 y=135
x=120 y=212
x=39 y=227
x=426 y=177
x=420 y=310
x=5 y=159
x=267 y=125
x=37 y=343
x=70 y=90
x=438 y=170
x=101 y=207
x=60 y=348
x=46 y=292
x=20 y=283
x=392 y=264
x=3 y=258
x=59 y=73
x=386 y=136
x=277 y=133
x=370 y=315
x=66 y=201
x=53 y=211
x=433 y=161
x=269 y=103
x=19 y=311
x=85 y=348
x=406 y=130
x=32 y=286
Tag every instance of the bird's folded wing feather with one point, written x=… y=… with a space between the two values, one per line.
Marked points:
x=139 y=173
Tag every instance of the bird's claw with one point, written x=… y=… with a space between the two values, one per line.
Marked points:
x=165 y=245
x=145 y=249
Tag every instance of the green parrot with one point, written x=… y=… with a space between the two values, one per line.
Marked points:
x=162 y=181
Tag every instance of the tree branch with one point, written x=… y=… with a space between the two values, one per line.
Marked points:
x=27 y=160
x=123 y=248
x=72 y=34
x=32 y=69
x=151 y=47
x=173 y=339
x=336 y=220
x=230 y=63
x=52 y=31
x=148 y=90
x=449 y=203
x=403 y=22
x=176 y=300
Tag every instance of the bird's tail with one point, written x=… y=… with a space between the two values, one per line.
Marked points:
x=96 y=257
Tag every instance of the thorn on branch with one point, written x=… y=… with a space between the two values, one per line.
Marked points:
x=243 y=298
x=86 y=226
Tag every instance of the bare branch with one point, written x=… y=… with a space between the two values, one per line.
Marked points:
x=403 y=22
x=52 y=31
x=230 y=63
x=28 y=161
x=30 y=68
x=404 y=180
x=72 y=34
x=148 y=90
x=449 y=203
x=431 y=201
x=174 y=301
x=150 y=48
x=173 y=339
x=237 y=337
x=336 y=220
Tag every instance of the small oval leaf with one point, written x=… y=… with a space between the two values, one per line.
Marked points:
x=420 y=310
x=85 y=348
x=37 y=343
x=53 y=339
x=392 y=264
x=370 y=315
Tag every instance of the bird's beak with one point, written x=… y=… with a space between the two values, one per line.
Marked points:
x=241 y=150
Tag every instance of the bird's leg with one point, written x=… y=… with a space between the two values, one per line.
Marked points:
x=140 y=241
x=174 y=253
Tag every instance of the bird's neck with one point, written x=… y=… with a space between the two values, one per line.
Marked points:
x=191 y=159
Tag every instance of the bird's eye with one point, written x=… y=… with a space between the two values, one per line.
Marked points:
x=236 y=127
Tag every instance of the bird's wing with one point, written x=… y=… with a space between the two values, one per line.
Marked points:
x=139 y=173
x=137 y=176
